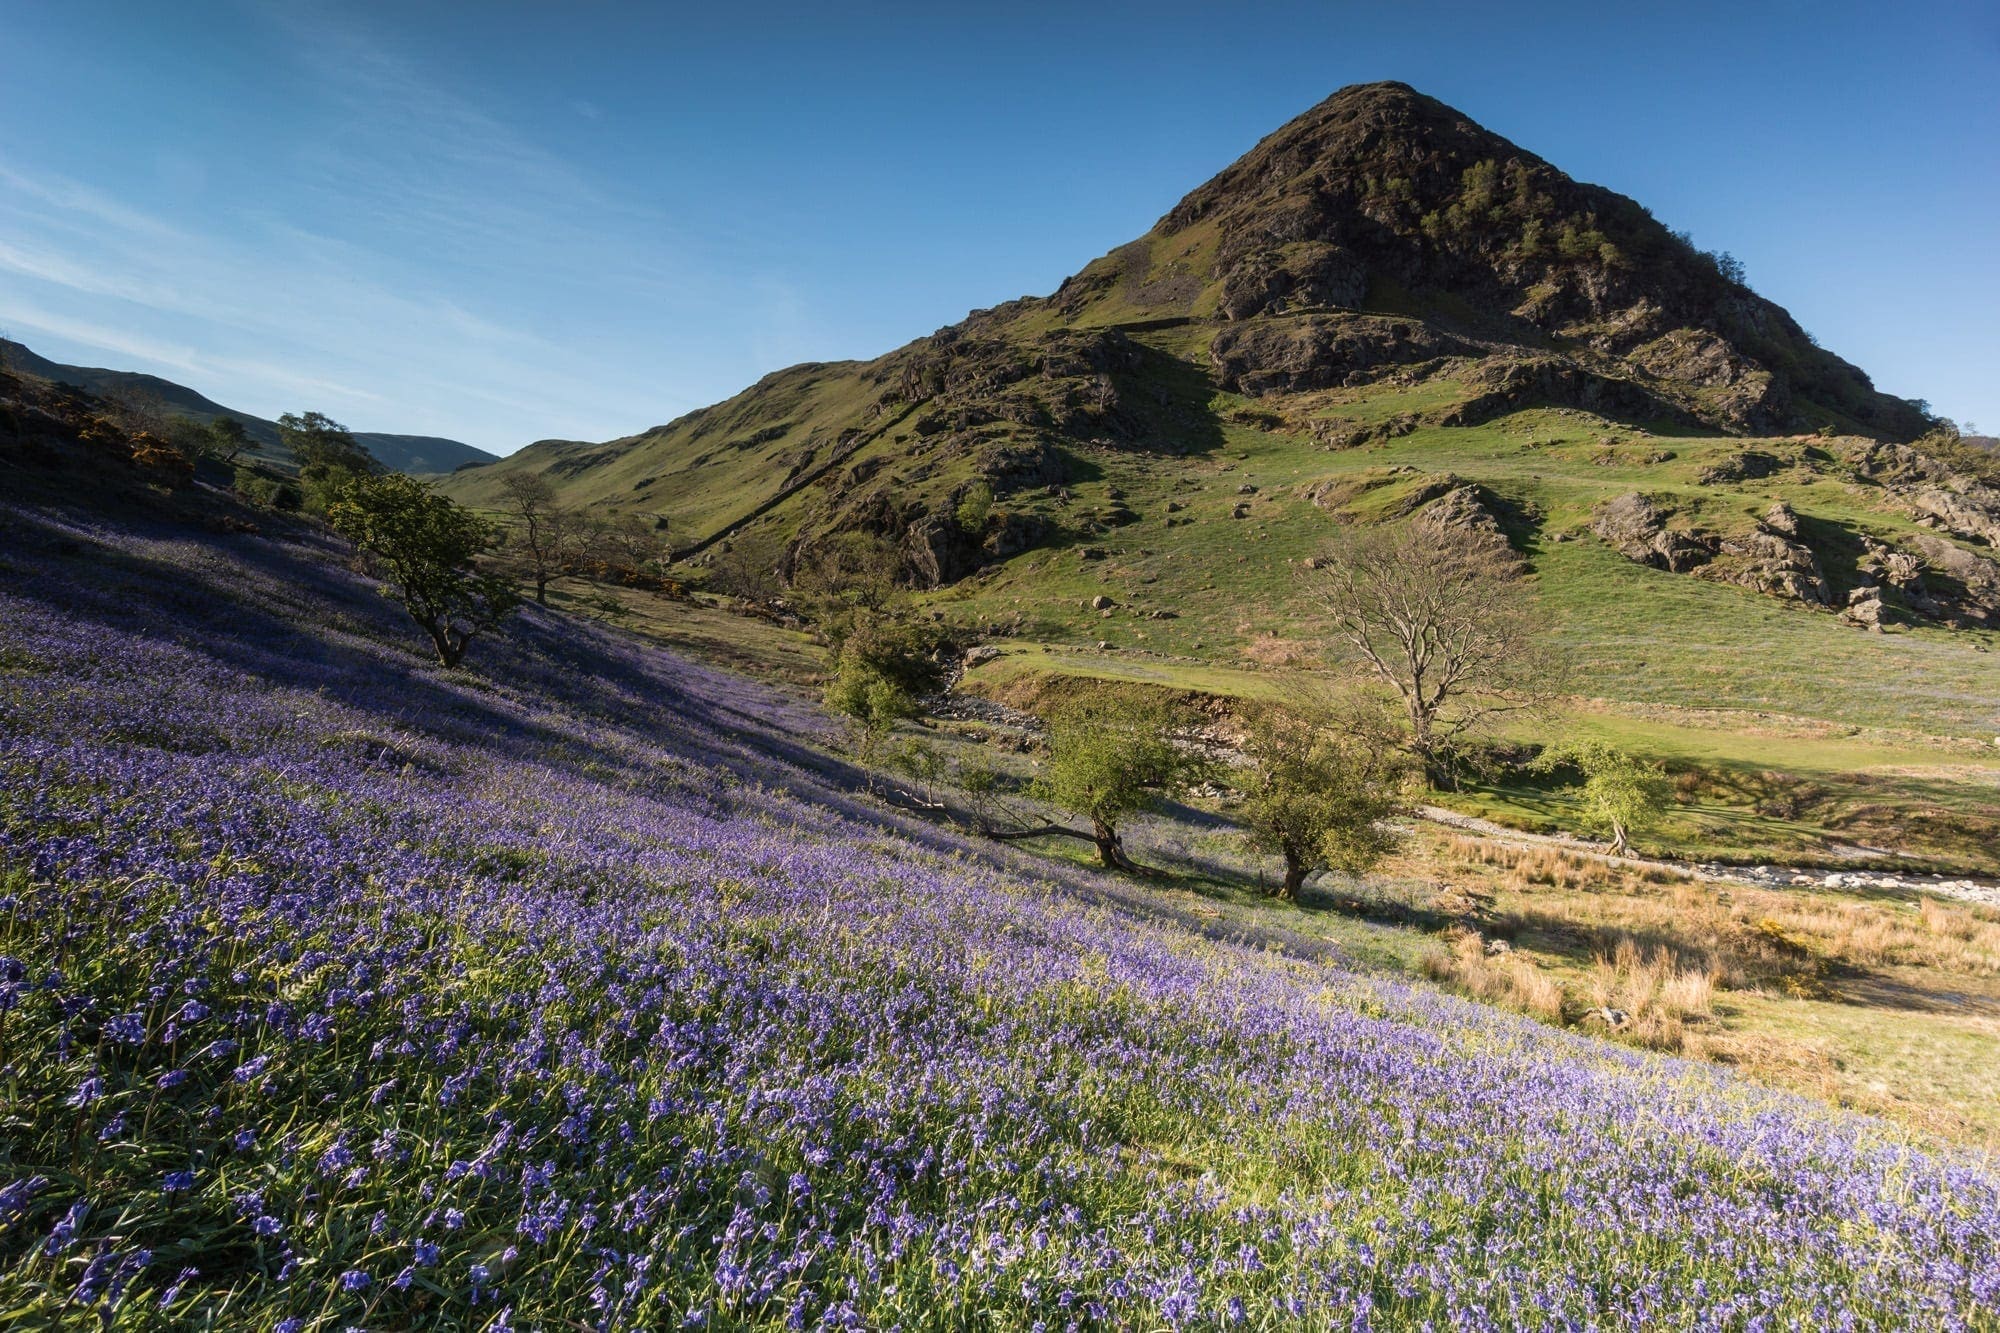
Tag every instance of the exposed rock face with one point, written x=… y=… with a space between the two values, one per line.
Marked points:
x=1769 y=562
x=1636 y=527
x=1508 y=384
x=1303 y=275
x=1322 y=352
x=1933 y=493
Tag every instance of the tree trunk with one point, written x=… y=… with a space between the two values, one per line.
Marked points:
x=1620 y=844
x=1295 y=876
x=1110 y=851
x=542 y=589
x=450 y=646
x=1424 y=744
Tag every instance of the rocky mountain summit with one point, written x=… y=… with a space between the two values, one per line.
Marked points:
x=1382 y=197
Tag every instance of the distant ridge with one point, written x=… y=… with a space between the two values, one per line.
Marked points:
x=415 y=454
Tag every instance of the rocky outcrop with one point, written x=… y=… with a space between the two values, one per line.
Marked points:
x=1635 y=526
x=1768 y=559
x=1933 y=580
x=1964 y=585
x=1733 y=389
x=1929 y=491
x=1466 y=509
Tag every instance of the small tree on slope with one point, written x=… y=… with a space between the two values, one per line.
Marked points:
x=1109 y=760
x=1620 y=794
x=1325 y=778
x=424 y=546
x=543 y=527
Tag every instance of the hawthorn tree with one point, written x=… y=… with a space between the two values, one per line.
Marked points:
x=1323 y=780
x=884 y=664
x=1621 y=793
x=226 y=439
x=1109 y=760
x=424 y=546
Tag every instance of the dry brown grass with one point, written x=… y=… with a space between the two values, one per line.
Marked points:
x=1753 y=935
x=1662 y=948
x=1504 y=979
x=1269 y=650
x=1651 y=996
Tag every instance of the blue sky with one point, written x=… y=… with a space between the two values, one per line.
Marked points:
x=504 y=222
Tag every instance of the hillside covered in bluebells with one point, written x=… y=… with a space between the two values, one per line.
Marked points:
x=570 y=990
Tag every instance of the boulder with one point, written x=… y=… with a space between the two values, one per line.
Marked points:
x=1780 y=518
x=1636 y=527
x=1749 y=465
x=1464 y=509
x=1867 y=612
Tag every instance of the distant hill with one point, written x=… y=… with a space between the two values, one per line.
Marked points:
x=416 y=454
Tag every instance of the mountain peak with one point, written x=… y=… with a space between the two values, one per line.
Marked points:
x=1382 y=200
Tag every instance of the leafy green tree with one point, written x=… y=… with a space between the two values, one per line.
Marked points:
x=884 y=666
x=1621 y=793
x=226 y=439
x=221 y=439
x=424 y=546
x=1109 y=760
x=845 y=580
x=1324 y=780
x=327 y=454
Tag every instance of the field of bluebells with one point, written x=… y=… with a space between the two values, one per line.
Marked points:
x=569 y=992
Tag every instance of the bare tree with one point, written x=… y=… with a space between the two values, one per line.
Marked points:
x=626 y=542
x=542 y=526
x=1446 y=621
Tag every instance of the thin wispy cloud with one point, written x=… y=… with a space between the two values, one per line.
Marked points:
x=350 y=268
